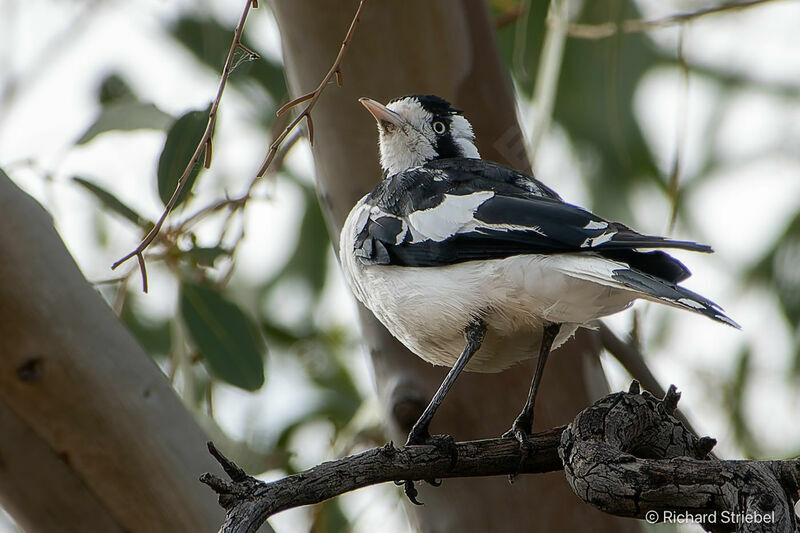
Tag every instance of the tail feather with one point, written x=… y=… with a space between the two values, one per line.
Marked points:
x=656 y=289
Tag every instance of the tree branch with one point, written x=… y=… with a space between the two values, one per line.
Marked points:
x=203 y=146
x=249 y=502
x=609 y=29
x=334 y=72
x=626 y=455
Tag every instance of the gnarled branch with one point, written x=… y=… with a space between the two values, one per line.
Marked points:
x=626 y=455
x=249 y=502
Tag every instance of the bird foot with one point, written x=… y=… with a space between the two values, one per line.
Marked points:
x=444 y=443
x=519 y=431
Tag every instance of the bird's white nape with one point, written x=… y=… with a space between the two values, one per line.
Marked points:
x=464 y=137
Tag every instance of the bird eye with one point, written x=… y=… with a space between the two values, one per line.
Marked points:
x=439 y=127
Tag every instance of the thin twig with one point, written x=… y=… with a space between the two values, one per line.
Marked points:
x=609 y=29
x=521 y=39
x=673 y=186
x=544 y=92
x=239 y=202
x=205 y=145
x=334 y=73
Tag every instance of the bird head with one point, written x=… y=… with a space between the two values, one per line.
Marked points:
x=419 y=128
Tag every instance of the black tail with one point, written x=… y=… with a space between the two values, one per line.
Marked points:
x=671 y=294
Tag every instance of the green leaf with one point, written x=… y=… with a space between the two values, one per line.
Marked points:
x=113 y=87
x=309 y=260
x=112 y=203
x=225 y=336
x=126 y=115
x=777 y=269
x=155 y=337
x=182 y=140
x=205 y=256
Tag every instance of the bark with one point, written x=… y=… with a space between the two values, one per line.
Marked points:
x=629 y=456
x=93 y=436
x=249 y=502
x=626 y=454
x=447 y=48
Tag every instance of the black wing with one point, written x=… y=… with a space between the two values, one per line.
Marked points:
x=467 y=210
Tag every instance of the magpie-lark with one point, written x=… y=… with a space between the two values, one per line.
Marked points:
x=473 y=265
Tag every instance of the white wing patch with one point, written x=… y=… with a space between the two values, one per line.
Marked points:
x=591 y=242
x=511 y=227
x=446 y=219
x=596 y=224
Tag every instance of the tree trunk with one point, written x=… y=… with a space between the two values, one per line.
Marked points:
x=446 y=48
x=94 y=438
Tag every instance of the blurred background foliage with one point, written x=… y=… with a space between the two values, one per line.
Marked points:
x=234 y=332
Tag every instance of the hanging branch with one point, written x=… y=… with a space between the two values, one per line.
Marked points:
x=204 y=146
x=312 y=97
x=552 y=56
x=609 y=29
x=627 y=455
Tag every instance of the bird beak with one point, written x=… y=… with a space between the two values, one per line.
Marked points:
x=387 y=119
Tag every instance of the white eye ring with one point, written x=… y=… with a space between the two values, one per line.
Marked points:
x=439 y=127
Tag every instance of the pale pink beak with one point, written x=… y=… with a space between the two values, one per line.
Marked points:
x=383 y=115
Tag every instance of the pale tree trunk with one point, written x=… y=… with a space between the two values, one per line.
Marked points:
x=447 y=48
x=92 y=435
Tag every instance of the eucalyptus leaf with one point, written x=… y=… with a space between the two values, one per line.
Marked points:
x=112 y=203
x=225 y=336
x=154 y=337
x=205 y=256
x=114 y=88
x=126 y=115
x=309 y=259
x=182 y=140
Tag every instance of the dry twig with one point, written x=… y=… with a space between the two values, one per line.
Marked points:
x=335 y=72
x=203 y=146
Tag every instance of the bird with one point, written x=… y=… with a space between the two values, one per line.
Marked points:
x=476 y=266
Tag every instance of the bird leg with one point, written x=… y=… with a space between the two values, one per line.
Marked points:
x=474 y=335
x=523 y=424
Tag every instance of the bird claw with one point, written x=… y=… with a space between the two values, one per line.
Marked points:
x=445 y=443
x=519 y=432
x=411 y=492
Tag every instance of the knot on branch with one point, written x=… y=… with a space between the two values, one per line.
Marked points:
x=627 y=455
x=240 y=487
